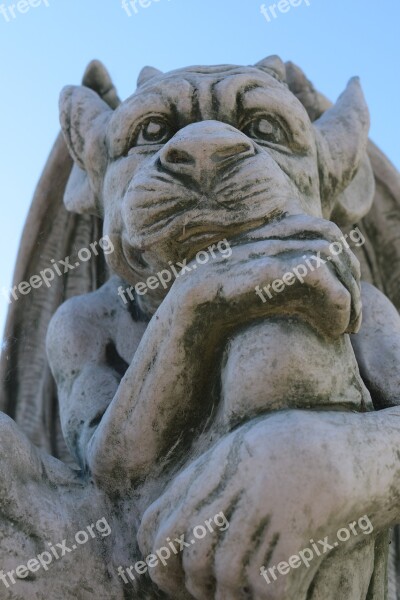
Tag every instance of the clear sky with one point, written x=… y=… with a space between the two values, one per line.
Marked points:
x=47 y=47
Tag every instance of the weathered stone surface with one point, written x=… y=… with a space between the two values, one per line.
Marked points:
x=230 y=382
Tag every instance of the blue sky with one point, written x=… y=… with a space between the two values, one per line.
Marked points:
x=46 y=48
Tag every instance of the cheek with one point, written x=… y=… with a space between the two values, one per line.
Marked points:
x=117 y=261
x=118 y=177
x=304 y=177
x=307 y=183
x=121 y=172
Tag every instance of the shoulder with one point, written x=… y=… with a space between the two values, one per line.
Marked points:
x=378 y=310
x=81 y=328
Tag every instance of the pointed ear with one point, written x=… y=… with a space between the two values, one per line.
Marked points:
x=313 y=101
x=274 y=66
x=342 y=137
x=146 y=74
x=84 y=118
x=97 y=78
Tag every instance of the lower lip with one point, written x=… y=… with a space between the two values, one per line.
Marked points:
x=200 y=237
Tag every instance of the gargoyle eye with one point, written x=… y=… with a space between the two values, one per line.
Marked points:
x=153 y=131
x=266 y=130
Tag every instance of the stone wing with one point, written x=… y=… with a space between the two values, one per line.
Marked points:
x=27 y=390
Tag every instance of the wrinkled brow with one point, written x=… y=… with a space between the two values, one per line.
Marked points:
x=230 y=94
x=173 y=100
x=192 y=98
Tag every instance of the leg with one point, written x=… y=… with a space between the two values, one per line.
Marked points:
x=43 y=505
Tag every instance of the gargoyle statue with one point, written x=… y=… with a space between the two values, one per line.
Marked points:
x=197 y=397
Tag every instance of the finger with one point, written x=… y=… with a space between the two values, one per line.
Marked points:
x=305 y=228
x=346 y=267
x=167 y=542
x=167 y=507
x=198 y=559
x=328 y=313
x=262 y=262
x=328 y=308
x=354 y=263
x=347 y=272
x=198 y=564
x=355 y=324
x=353 y=286
x=168 y=572
x=238 y=559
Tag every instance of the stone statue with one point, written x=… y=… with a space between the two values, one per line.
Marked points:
x=147 y=392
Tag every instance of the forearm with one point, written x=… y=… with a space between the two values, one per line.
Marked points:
x=348 y=461
x=167 y=389
x=156 y=399
x=378 y=467
x=304 y=474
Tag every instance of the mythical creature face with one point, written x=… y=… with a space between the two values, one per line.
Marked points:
x=205 y=153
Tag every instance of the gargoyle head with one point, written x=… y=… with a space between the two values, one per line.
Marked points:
x=206 y=153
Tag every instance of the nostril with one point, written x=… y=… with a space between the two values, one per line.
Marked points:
x=176 y=157
x=231 y=151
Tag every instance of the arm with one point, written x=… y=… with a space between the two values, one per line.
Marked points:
x=377 y=347
x=120 y=427
x=165 y=392
x=86 y=382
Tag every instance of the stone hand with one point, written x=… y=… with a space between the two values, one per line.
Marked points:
x=223 y=291
x=280 y=481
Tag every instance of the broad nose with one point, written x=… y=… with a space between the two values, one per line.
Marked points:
x=202 y=149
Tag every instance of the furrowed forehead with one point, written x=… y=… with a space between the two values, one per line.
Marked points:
x=196 y=94
x=202 y=83
x=208 y=77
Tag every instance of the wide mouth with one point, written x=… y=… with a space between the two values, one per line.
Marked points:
x=205 y=232
x=198 y=236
